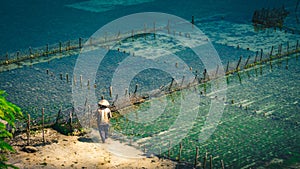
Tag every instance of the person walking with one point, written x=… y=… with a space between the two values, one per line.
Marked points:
x=103 y=116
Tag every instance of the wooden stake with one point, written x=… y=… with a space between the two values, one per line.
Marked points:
x=168 y=27
x=255 y=59
x=18 y=53
x=247 y=62
x=271 y=51
x=68 y=45
x=110 y=91
x=237 y=66
x=280 y=49
x=204 y=161
x=28 y=129
x=80 y=43
x=261 y=53
x=60 y=47
x=71 y=120
x=47 y=49
x=227 y=67
x=89 y=115
x=182 y=81
x=217 y=71
x=240 y=80
x=91 y=41
x=132 y=35
x=81 y=80
x=171 y=84
x=145 y=31
x=222 y=164
x=61 y=76
x=180 y=150
x=210 y=162
x=154 y=30
x=196 y=157
x=135 y=90
x=30 y=50
x=58 y=115
x=169 y=149
x=204 y=74
x=193 y=20
x=67 y=77
x=74 y=79
x=43 y=124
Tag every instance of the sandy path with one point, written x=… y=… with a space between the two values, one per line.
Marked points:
x=77 y=152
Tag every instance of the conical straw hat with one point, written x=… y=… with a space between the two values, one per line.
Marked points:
x=103 y=103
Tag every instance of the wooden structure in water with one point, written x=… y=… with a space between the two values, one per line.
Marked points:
x=270 y=18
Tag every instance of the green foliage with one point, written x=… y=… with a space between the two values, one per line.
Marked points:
x=8 y=114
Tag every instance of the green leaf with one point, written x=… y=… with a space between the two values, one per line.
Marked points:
x=1 y=114
x=8 y=112
x=5 y=146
